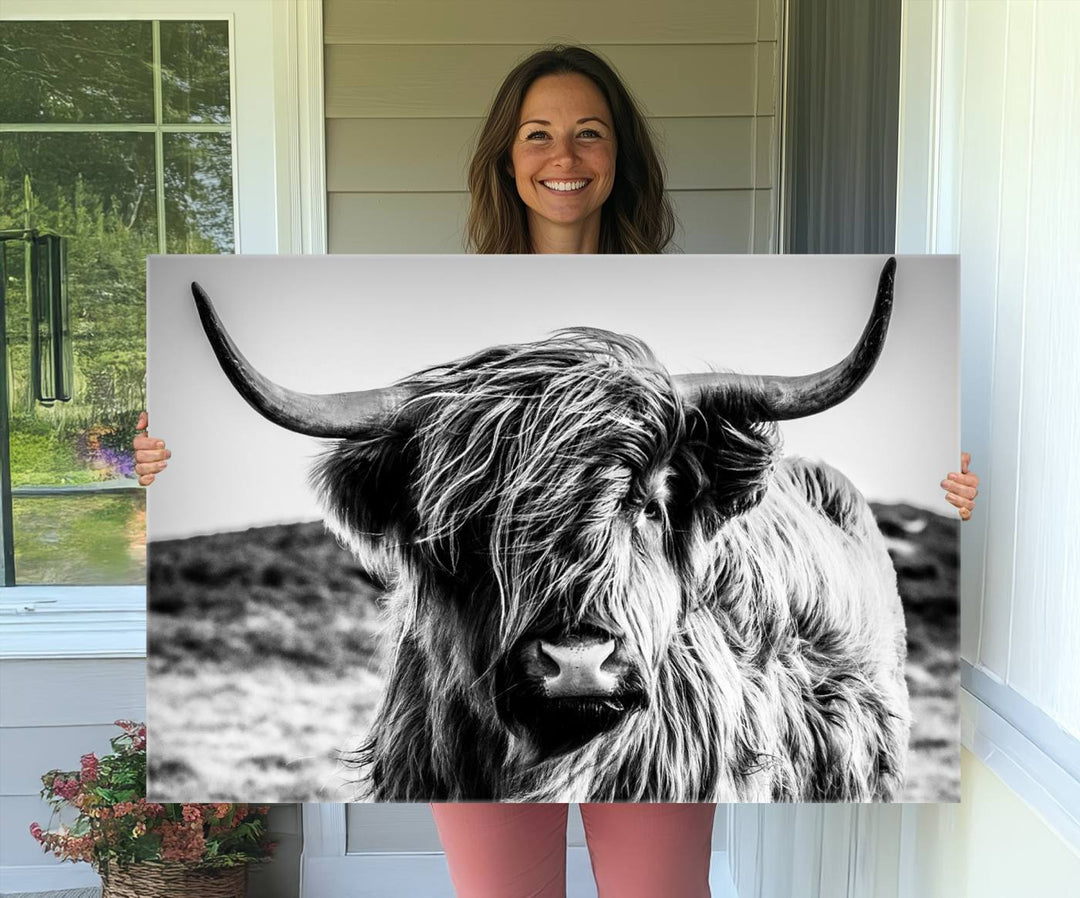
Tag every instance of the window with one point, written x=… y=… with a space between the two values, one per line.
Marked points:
x=116 y=135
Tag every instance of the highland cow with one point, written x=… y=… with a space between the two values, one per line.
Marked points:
x=606 y=584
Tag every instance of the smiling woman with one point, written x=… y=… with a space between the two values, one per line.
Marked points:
x=565 y=164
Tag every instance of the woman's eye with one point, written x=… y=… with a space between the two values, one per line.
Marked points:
x=536 y=135
x=589 y=132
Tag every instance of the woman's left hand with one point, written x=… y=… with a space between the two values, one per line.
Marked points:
x=962 y=487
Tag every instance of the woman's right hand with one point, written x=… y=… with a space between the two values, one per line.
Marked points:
x=150 y=453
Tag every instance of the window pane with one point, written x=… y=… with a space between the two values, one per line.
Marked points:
x=198 y=193
x=83 y=540
x=195 y=71
x=98 y=191
x=76 y=72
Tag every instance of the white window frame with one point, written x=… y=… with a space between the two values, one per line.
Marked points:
x=280 y=207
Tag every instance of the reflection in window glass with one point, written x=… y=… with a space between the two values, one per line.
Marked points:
x=78 y=513
x=60 y=72
x=98 y=190
x=195 y=71
x=84 y=539
x=198 y=193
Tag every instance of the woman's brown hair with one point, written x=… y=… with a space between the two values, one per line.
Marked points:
x=637 y=216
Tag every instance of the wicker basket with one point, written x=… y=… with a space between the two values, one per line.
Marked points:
x=174 y=881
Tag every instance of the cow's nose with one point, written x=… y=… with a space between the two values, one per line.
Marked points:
x=580 y=667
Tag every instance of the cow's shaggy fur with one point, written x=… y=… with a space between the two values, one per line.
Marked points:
x=566 y=483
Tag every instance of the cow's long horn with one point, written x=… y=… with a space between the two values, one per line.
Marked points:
x=796 y=397
x=338 y=415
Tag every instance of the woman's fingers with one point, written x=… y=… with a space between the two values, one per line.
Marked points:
x=145 y=455
x=960 y=489
x=959 y=501
x=151 y=467
x=150 y=453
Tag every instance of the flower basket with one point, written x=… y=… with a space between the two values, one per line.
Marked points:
x=143 y=849
x=174 y=881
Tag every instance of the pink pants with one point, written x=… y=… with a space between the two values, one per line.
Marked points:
x=519 y=850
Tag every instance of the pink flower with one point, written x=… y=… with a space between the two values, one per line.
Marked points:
x=66 y=789
x=181 y=841
x=89 y=767
x=36 y=832
x=192 y=813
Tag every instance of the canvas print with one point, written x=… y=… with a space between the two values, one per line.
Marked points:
x=584 y=529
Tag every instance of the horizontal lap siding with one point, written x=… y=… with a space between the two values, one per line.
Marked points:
x=460 y=80
x=380 y=155
x=530 y=23
x=408 y=84
x=709 y=221
x=52 y=713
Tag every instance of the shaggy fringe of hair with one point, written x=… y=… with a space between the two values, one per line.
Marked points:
x=772 y=682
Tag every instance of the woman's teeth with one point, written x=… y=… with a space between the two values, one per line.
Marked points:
x=564 y=186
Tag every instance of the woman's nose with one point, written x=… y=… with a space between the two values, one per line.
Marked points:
x=564 y=150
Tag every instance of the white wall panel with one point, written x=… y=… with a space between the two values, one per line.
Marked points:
x=1046 y=613
x=1006 y=187
x=982 y=86
x=1013 y=222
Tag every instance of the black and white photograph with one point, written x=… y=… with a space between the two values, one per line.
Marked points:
x=546 y=529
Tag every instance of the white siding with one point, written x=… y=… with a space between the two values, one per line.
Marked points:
x=52 y=713
x=408 y=83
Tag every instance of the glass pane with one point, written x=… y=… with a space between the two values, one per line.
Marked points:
x=76 y=72
x=84 y=539
x=195 y=71
x=98 y=191
x=198 y=193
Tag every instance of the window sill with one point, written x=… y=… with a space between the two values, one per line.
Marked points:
x=1040 y=772
x=73 y=622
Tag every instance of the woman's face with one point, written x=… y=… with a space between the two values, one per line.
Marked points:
x=563 y=155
